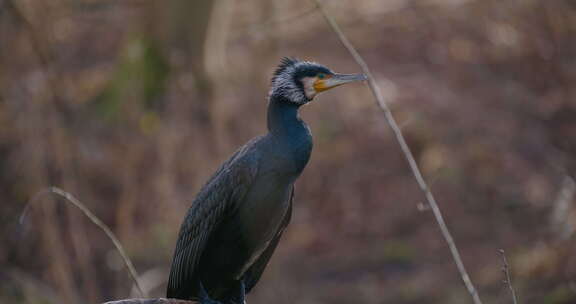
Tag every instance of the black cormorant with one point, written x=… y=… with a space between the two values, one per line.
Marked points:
x=235 y=222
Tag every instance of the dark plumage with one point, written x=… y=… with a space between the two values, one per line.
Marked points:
x=237 y=219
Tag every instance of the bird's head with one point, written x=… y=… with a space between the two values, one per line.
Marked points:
x=299 y=81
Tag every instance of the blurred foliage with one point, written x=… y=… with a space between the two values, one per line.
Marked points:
x=141 y=70
x=131 y=105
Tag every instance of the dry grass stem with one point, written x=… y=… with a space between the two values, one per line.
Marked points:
x=508 y=279
x=74 y=201
x=406 y=151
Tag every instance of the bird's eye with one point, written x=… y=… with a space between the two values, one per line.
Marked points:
x=321 y=76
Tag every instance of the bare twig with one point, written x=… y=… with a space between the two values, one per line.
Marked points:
x=406 y=151
x=506 y=271
x=70 y=198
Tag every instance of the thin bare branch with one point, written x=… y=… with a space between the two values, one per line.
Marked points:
x=506 y=271
x=70 y=198
x=406 y=151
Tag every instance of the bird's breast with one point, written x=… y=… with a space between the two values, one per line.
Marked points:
x=289 y=154
x=264 y=207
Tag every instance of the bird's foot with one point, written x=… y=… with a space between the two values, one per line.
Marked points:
x=204 y=297
x=240 y=298
x=209 y=301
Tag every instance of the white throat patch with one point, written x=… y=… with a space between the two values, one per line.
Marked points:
x=309 y=90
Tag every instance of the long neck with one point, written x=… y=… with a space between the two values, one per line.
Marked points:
x=283 y=117
x=291 y=134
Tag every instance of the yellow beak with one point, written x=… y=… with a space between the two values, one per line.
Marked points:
x=335 y=80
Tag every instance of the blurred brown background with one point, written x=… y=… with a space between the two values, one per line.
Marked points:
x=131 y=105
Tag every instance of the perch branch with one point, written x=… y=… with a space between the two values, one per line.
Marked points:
x=151 y=301
x=74 y=201
x=406 y=151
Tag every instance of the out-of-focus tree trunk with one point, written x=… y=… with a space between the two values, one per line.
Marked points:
x=181 y=27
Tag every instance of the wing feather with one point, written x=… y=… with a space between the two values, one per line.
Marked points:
x=253 y=274
x=226 y=187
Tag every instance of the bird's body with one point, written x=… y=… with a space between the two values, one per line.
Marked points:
x=237 y=219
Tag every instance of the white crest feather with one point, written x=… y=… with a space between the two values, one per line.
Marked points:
x=283 y=83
